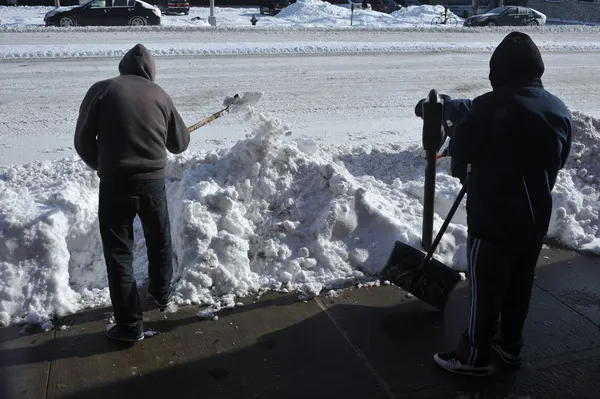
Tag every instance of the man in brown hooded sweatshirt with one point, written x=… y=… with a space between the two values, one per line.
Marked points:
x=126 y=126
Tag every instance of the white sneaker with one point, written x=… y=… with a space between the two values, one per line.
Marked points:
x=450 y=362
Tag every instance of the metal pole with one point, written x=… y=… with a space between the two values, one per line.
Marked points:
x=212 y=20
x=352 y=14
x=56 y=3
x=428 y=198
x=433 y=137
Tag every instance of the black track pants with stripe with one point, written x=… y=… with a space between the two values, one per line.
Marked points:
x=501 y=280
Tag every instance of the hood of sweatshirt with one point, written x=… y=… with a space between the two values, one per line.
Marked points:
x=138 y=61
x=516 y=58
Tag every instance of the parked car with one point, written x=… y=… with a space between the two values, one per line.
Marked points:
x=387 y=6
x=508 y=16
x=177 y=7
x=105 y=13
x=348 y=4
x=272 y=7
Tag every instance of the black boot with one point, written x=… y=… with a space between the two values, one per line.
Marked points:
x=118 y=333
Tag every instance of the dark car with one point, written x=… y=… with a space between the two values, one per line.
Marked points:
x=387 y=6
x=272 y=7
x=105 y=13
x=507 y=16
x=177 y=7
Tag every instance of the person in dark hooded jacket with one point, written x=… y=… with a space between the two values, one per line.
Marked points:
x=516 y=138
x=125 y=127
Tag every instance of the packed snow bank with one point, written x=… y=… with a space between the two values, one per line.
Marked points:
x=264 y=214
x=35 y=51
x=421 y=14
x=318 y=12
x=23 y=15
x=576 y=199
x=50 y=249
x=323 y=13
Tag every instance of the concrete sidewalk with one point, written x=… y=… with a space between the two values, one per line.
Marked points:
x=368 y=343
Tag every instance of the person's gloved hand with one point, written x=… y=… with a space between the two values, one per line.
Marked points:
x=445 y=97
x=419 y=106
x=444 y=153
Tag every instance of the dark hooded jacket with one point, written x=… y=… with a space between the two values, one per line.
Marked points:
x=126 y=124
x=516 y=138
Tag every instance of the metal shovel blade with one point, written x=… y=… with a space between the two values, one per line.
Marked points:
x=243 y=101
x=432 y=282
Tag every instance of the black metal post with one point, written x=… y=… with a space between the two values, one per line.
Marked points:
x=433 y=138
x=428 y=199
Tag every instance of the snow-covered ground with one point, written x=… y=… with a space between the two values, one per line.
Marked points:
x=306 y=192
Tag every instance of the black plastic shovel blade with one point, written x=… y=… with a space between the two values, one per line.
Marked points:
x=431 y=284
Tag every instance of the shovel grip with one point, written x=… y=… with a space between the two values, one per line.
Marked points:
x=447 y=221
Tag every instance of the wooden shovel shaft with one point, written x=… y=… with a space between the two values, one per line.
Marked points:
x=218 y=114
x=208 y=119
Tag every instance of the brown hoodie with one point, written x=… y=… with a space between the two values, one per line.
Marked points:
x=126 y=124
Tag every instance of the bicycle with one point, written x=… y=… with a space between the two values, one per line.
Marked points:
x=445 y=18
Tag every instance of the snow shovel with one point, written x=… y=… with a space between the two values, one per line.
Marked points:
x=248 y=99
x=418 y=273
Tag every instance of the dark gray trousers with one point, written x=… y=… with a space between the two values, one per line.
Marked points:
x=119 y=203
x=501 y=280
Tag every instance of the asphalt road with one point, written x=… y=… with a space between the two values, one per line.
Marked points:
x=341 y=99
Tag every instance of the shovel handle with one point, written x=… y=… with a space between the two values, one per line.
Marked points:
x=447 y=221
x=208 y=119
x=214 y=116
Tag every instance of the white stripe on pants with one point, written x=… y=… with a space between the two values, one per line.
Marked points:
x=473 y=318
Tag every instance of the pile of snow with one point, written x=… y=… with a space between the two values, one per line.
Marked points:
x=50 y=249
x=318 y=12
x=266 y=214
x=324 y=13
x=23 y=15
x=576 y=200
x=421 y=14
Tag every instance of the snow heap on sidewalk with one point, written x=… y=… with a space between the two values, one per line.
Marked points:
x=575 y=219
x=323 y=13
x=264 y=214
x=319 y=12
x=423 y=14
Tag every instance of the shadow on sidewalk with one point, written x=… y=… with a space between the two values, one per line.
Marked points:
x=149 y=305
x=82 y=345
x=310 y=359
x=369 y=343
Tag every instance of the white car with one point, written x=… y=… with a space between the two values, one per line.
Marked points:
x=348 y=4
